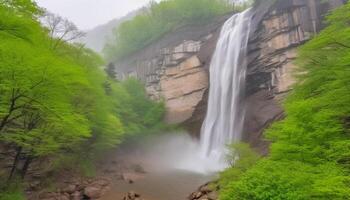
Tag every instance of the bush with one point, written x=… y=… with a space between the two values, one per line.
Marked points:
x=288 y=180
x=241 y=157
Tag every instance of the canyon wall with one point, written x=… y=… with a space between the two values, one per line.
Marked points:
x=279 y=28
x=175 y=68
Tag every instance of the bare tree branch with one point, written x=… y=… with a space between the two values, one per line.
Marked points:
x=60 y=29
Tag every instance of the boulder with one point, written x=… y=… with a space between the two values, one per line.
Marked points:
x=132 y=196
x=205 y=192
x=205 y=189
x=70 y=189
x=76 y=196
x=64 y=196
x=93 y=192
x=100 y=182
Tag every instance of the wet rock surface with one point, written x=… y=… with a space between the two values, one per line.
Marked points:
x=205 y=192
x=71 y=186
x=78 y=190
x=132 y=196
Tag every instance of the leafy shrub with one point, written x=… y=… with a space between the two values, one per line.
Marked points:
x=241 y=157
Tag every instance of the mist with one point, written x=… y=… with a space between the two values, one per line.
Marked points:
x=173 y=151
x=87 y=14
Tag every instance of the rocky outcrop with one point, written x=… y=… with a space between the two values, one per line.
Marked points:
x=182 y=86
x=77 y=190
x=174 y=69
x=208 y=191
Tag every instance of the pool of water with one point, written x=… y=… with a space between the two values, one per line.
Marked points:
x=173 y=166
x=165 y=185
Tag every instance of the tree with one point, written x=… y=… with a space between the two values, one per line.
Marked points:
x=60 y=30
x=26 y=7
x=110 y=70
x=56 y=100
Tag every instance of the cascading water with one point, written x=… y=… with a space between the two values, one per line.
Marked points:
x=224 y=119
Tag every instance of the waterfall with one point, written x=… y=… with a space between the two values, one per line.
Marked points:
x=224 y=119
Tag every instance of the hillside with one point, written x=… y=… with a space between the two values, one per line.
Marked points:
x=97 y=37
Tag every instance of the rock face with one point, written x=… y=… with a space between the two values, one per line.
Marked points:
x=279 y=28
x=175 y=68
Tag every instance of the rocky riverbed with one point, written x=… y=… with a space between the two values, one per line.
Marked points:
x=88 y=189
x=149 y=170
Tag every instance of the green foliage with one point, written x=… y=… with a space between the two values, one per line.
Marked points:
x=12 y=195
x=26 y=8
x=87 y=168
x=17 y=195
x=292 y=180
x=159 y=19
x=309 y=156
x=11 y=191
x=241 y=157
x=34 y=104
x=137 y=112
x=58 y=102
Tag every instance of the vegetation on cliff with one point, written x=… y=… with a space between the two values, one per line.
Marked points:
x=55 y=99
x=309 y=157
x=158 y=19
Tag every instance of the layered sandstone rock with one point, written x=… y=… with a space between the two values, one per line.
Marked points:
x=175 y=70
x=182 y=88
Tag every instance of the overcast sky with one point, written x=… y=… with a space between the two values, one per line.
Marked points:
x=87 y=14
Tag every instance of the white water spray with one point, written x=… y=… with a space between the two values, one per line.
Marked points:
x=224 y=119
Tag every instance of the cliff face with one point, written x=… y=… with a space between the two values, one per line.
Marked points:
x=279 y=28
x=175 y=68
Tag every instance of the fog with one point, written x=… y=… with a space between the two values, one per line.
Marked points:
x=174 y=151
x=87 y=14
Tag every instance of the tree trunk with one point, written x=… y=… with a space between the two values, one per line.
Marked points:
x=26 y=166
x=15 y=162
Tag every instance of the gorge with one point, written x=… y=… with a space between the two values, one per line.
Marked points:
x=193 y=99
x=175 y=68
x=249 y=73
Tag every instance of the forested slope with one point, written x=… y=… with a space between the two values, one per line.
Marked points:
x=159 y=19
x=309 y=155
x=56 y=102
